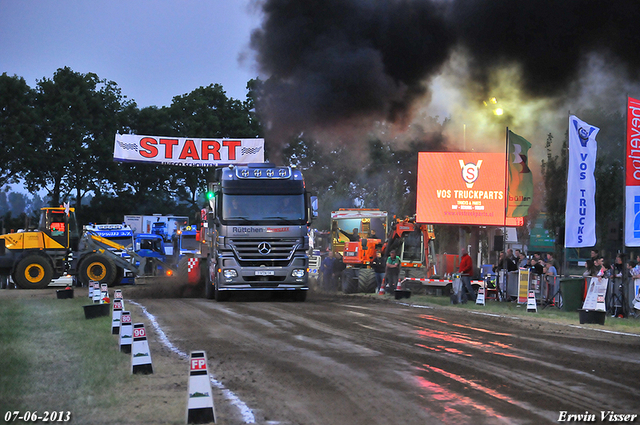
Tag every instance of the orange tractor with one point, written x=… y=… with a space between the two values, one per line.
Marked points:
x=357 y=255
x=414 y=245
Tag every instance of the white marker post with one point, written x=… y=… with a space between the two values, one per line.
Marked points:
x=140 y=353
x=200 y=408
x=104 y=292
x=480 y=296
x=126 y=332
x=532 y=306
x=91 y=283
x=117 y=294
x=97 y=295
x=116 y=317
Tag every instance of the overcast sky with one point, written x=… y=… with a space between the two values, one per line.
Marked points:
x=153 y=49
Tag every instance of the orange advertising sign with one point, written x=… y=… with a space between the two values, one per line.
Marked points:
x=461 y=188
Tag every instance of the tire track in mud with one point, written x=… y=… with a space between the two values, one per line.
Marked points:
x=431 y=347
x=245 y=412
x=568 y=392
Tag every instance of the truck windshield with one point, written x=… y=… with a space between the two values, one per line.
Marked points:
x=270 y=208
x=189 y=242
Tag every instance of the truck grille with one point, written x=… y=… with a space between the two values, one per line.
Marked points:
x=256 y=252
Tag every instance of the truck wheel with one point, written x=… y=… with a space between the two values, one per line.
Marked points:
x=300 y=296
x=33 y=272
x=98 y=268
x=220 y=296
x=209 y=290
x=183 y=271
x=367 y=281
x=349 y=281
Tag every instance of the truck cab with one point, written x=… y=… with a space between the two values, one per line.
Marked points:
x=257 y=231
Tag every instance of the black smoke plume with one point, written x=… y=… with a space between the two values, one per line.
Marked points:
x=332 y=62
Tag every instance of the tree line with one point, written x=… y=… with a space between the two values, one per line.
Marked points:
x=58 y=138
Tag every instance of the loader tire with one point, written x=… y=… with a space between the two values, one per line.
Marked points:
x=367 y=281
x=349 y=281
x=119 y=276
x=96 y=267
x=33 y=272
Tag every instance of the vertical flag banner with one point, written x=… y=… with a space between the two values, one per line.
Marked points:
x=580 y=213
x=632 y=175
x=520 y=179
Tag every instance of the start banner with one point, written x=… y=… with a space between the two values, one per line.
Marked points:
x=186 y=151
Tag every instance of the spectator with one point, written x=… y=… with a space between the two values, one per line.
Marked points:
x=392 y=270
x=550 y=269
x=338 y=268
x=537 y=266
x=618 y=266
x=523 y=262
x=551 y=259
x=327 y=271
x=379 y=267
x=466 y=271
x=499 y=265
x=634 y=269
x=353 y=237
x=510 y=263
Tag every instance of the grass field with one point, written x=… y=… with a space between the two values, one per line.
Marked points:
x=53 y=359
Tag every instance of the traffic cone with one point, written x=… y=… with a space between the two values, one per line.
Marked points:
x=532 y=307
x=140 y=353
x=381 y=291
x=200 y=408
x=126 y=332
x=116 y=317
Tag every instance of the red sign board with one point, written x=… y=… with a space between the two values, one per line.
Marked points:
x=461 y=188
x=198 y=364
x=633 y=143
x=139 y=333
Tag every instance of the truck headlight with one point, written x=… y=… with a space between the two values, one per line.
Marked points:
x=230 y=273
x=298 y=273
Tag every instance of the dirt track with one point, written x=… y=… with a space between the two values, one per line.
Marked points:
x=372 y=360
x=354 y=360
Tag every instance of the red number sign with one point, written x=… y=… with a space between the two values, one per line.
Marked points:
x=139 y=333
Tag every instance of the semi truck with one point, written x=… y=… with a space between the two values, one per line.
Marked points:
x=256 y=231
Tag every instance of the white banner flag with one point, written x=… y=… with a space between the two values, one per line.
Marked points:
x=632 y=175
x=580 y=213
x=187 y=151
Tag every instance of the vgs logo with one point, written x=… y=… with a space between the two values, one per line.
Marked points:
x=470 y=172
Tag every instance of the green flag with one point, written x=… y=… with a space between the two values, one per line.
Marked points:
x=520 y=181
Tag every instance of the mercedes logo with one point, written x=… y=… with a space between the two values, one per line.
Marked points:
x=264 y=248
